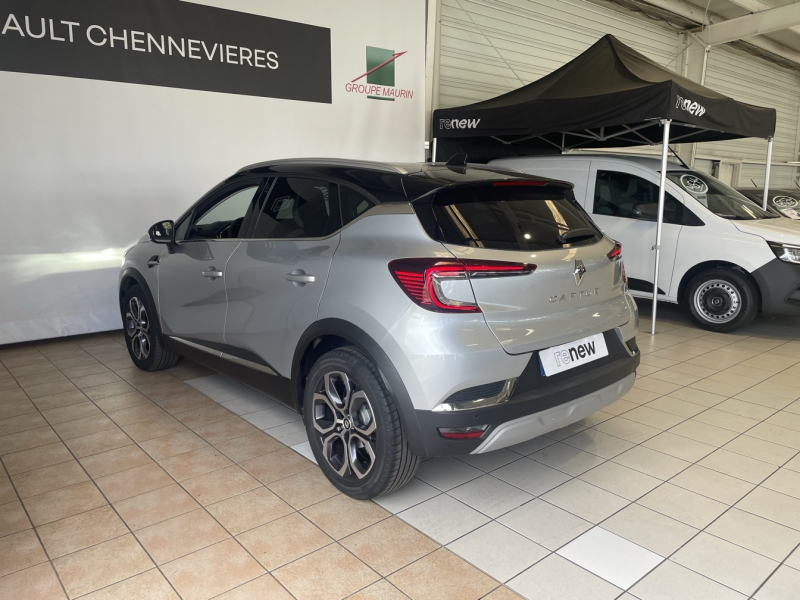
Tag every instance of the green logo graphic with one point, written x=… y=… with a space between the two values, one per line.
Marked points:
x=381 y=75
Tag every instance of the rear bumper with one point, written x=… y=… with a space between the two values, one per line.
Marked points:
x=539 y=404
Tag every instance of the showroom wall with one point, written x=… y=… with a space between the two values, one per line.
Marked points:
x=490 y=47
x=116 y=115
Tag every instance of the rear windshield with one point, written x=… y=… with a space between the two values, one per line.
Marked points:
x=506 y=216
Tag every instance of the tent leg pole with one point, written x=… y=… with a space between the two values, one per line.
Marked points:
x=433 y=154
x=766 y=174
x=660 y=221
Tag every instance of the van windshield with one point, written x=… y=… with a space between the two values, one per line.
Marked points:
x=717 y=197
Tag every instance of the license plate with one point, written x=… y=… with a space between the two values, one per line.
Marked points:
x=574 y=354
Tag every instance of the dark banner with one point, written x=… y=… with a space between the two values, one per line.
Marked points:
x=167 y=43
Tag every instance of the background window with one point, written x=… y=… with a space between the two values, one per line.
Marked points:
x=353 y=204
x=224 y=219
x=298 y=208
x=617 y=193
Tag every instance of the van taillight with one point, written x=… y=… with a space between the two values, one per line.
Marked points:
x=424 y=279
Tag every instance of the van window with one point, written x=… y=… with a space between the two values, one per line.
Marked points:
x=717 y=197
x=616 y=194
x=507 y=216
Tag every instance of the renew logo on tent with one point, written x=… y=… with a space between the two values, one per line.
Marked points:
x=458 y=123
x=693 y=108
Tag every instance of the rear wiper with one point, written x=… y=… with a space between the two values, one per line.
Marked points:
x=576 y=234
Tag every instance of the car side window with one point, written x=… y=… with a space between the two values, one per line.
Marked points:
x=353 y=203
x=618 y=194
x=298 y=208
x=223 y=219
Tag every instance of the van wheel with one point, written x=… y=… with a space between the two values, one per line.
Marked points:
x=722 y=299
x=354 y=428
x=143 y=333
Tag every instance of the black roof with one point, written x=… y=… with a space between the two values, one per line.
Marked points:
x=388 y=182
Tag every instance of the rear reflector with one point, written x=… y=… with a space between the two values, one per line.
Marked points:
x=462 y=433
x=516 y=183
x=616 y=251
x=423 y=279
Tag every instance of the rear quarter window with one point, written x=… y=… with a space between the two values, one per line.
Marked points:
x=505 y=216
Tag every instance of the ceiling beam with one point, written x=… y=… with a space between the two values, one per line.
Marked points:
x=758 y=6
x=741 y=28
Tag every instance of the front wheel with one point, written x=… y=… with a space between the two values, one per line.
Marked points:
x=354 y=428
x=143 y=334
x=722 y=300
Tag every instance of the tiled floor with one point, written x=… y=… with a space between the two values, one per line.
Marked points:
x=124 y=484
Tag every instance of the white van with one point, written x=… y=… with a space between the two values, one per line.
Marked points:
x=721 y=254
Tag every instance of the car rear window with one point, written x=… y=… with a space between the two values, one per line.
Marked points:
x=507 y=216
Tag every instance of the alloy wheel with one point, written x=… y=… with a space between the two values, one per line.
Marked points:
x=717 y=301
x=345 y=422
x=137 y=325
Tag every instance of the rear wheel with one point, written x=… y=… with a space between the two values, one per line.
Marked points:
x=722 y=299
x=354 y=428
x=143 y=333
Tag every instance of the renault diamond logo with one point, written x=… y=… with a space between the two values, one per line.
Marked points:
x=579 y=272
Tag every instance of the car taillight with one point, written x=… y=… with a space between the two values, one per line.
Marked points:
x=616 y=255
x=424 y=279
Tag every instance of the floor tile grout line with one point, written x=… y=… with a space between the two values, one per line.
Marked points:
x=775 y=570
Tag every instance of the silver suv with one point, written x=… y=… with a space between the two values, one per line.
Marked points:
x=407 y=310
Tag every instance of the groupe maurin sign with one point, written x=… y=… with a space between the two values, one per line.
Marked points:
x=378 y=82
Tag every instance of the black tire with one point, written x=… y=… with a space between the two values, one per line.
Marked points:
x=143 y=333
x=722 y=299
x=356 y=475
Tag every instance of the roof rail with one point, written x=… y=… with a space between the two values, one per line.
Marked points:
x=334 y=162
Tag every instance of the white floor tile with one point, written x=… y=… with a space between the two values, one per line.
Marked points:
x=411 y=494
x=611 y=557
x=243 y=406
x=490 y=461
x=491 y=496
x=304 y=448
x=555 y=578
x=271 y=417
x=545 y=524
x=670 y=581
x=443 y=518
x=446 y=473
x=783 y=585
x=531 y=476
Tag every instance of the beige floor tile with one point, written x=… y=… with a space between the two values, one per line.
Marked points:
x=659 y=419
x=651 y=462
x=784 y=481
x=712 y=484
x=649 y=529
x=36 y=380
x=149 y=585
x=102 y=565
x=683 y=505
x=46 y=389
x=207 y=414
x=128 y=400
x=266 y=587
x=219 y=485
x=136 y=414
x=620 y=480
x=19 y=551
x=153 y=428
x=132 y=482
x=775 y=433
x=598 y=443
x=442 y=575
x=276 y=465
x=32 y=369
x=114 y=461
x=154 y=507
x=181 y=535
x=110 y=389
x=283 y=540
x=726 y=563
x=212 y=570
x=620 y=407
x=195 y=463
x=249 y=510
x=81 y=531
x=785 y=419
x=228 y=429
x=36 y=458
x=173 y=444
x=704 y=433
x=48 y=479
x=764 y=399
x=679 y=447
x=627 y=430
x=85 y=426
x=546 y=580
x=772 y=505
x=782 y=585
x=342 y=572
x=39 y=583
x=9 y=384
x=736 y=465
x=249 y=446
x=725 y=420
x=71 y=412
x=59 y=400
x=304 y=489
x=389 y=545
x=341 y=515
x=97 y=443
x=15 y=409
x=695 y=396
x=59 y=504
x=673 y=406
x=7 y=491
x=670 y=581
x=82 y=371
x=656 y=386
x=88 y=381
x=504 y=593
x=13 y=395
x=681 y=379
x=745 y=409
x=760 y=535
x=13 y=518
x=21 y=423
x=638 y=396
x=762 y=450
x=383 y=590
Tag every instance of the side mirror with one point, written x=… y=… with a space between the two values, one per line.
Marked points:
x=646 y=211
x=162 y=232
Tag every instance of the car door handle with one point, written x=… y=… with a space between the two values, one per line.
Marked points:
x=212 y=274
x=299 y=277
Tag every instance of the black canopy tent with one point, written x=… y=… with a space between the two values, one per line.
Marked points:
x=608 y=97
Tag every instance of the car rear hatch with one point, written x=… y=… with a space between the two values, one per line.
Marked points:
x=576 y=289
